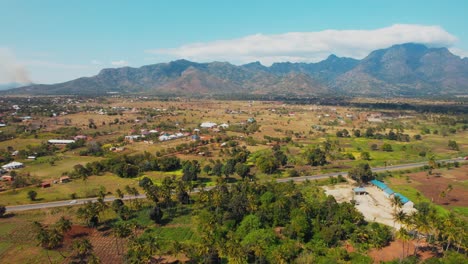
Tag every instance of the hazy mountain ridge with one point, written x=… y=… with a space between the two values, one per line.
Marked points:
x=406 y=69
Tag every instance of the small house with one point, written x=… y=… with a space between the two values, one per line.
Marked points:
x=251 y=120
x=78 y=137
x=64 y=179
x=13 y=165
x=7 y=178
x=45 y=184
x=359 y=191
x=208 y=125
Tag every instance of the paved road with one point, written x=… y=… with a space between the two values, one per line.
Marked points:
x=295 y=179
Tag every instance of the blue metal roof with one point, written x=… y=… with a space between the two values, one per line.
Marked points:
x=388 y=191
x=379 y=184
x=359 y=189
x=402 y=198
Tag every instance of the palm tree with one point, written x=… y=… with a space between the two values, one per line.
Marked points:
x=63 y=225
x=399 y=217
x=448 y=190
x=119 y=193
x=55 y=240
x=121 y=231
x=83 y=249
x=404 y=236
x=43 y=237
x=396 y=203
x=142 y=250
x=432 y=163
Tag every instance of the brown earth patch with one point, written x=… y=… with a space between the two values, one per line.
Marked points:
x=77 y=232
x=432 y=186
x=395 y=251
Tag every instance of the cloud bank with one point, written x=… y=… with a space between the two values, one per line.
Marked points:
x=119 y=63
x=11 y=70
x=309 y=46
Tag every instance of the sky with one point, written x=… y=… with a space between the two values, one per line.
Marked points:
x=44 y=41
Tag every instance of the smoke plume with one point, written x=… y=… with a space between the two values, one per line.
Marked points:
x=12 y=71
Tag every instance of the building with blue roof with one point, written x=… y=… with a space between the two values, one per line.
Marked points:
x=389 y=192
x=359 y=190
x=403 y=199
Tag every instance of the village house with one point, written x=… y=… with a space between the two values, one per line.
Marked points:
x=64 y=179
x=208 y=125
x=13 y=165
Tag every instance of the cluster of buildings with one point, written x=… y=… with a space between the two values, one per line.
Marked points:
x=389 y=193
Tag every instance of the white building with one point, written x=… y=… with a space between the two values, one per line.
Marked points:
x=61 y=141
x=13 y=165
x=132 y=137
x=208 y=125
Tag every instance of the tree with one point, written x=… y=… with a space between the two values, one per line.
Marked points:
x=142 y=250
x=229 y=167
x=63 y=225
x=316 y=157
x=145 y=182
x=120 y=231
x=90 y=213
x=217 y=169
x=267 y=163
x=365 y=155
x=190 y=170
x=242 y=170
x=156 y=214
x=357 y=133
x=404 y=236
x=399 y=217
x=362 y=173
x=387 y=147
x=452 y=144
x=83 y=251
x=32 y=195
x=2 y=210
x=119 y=193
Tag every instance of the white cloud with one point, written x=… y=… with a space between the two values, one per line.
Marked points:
x=11 y=70
x=96 y=62
x=119 y=63
x=459 y=52
x=309 y=46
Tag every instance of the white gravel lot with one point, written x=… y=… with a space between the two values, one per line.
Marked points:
x=374 y=206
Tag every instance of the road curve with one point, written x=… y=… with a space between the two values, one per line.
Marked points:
x=36 y=206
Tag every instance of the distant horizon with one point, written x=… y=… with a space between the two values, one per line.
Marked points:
x=42 y=47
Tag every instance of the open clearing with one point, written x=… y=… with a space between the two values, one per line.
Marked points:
x=435 y=187
x=374 y=206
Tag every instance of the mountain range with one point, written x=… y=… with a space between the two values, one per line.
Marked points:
x=401 y=70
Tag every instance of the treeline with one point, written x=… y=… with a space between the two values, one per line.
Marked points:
x=127 y=166
x=372 y=132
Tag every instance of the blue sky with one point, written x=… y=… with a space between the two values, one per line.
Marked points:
x=53 y=41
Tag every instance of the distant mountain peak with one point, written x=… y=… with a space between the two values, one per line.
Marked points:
x=403 y=69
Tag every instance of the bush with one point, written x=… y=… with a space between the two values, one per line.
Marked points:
x=32 y=195
x=387 y=147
